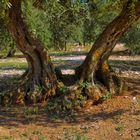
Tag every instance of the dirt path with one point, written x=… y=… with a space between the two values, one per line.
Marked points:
x=115 y=119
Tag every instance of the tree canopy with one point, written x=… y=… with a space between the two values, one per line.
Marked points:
x=68 y=21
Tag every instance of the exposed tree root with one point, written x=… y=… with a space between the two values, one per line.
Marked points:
x=30 y=91
x=27 y=92
x=113 y=82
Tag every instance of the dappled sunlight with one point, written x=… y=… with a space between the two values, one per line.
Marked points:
x=69 y=70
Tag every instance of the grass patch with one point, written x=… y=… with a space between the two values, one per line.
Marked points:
x=30 y=113
x=119 y=127
x=71 y=134
x=33 y=134
x=70 y=53
x=13 y=65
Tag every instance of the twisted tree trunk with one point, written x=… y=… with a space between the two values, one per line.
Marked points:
x=40 y=81
x=95 y=68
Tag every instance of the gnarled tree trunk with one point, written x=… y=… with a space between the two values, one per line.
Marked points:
x=40 y=81
x=95 y=68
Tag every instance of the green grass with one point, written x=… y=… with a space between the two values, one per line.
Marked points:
x=67 y=53
x=11 y=65
x=119 y=127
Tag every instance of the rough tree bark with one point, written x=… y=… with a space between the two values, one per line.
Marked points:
x=40 y=81
x=95 y=68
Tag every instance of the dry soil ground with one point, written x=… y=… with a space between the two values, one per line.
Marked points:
x=116 y=119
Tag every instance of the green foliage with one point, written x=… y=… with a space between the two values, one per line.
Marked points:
x=64 y=89
x=132 y=39
x=85 y=85
x=66 y=20
x=59 y=22
x=6 y=41
x=37 y=22
x=65 y=103
x=107 y=96
x=5 y=4
x=30 y=113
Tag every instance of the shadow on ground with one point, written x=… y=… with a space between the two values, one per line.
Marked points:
x=15 y=117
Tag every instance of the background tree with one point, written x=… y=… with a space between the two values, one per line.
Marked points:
x=7 y=45
x=132 y=39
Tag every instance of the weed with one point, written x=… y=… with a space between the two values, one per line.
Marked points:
x=120 y=127
x=85 y=85
x=64 y=105
x=78 y=136
x=30 y=134
x=86 y=128
x=30 y=112
x=107 y=96
x=74 y=135
x=54 y=117
x=64 y=89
